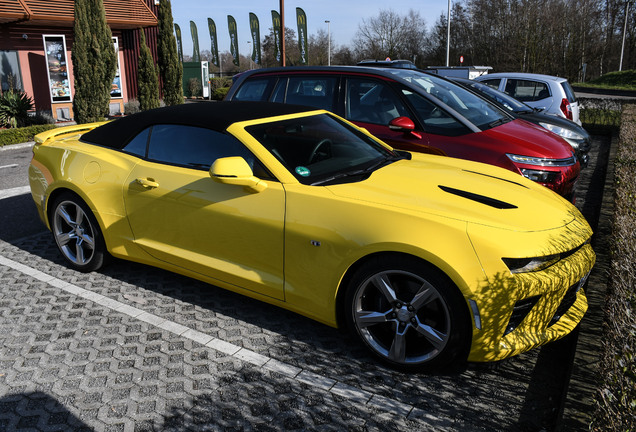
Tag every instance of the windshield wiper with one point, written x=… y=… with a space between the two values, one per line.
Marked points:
x=385 y=161
x=338 y=176
x=498 y=122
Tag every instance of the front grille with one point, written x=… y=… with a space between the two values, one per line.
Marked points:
x=567 y=302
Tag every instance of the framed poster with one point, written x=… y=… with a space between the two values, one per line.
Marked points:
x=115 y=91
x=56 y=66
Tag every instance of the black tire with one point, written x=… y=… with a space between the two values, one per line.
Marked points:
x=408 y=314
x=77 y=233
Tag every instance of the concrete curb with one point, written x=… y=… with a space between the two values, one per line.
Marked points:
x=17 y=146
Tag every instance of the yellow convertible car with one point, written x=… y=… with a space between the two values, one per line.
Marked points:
x=426 y=259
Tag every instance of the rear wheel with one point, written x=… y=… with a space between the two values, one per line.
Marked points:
x=407 y=314
x=77 y=234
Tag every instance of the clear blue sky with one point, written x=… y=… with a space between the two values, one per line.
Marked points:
x=344 y=17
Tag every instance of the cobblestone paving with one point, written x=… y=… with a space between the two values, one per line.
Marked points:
x=74 y=356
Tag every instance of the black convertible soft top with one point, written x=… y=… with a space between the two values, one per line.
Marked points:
x=211 y=115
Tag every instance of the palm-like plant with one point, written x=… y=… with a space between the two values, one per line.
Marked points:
x=14 y=108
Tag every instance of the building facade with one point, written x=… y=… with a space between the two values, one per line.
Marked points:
x=36 y=38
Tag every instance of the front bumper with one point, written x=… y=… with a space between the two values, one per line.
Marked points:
x=555 y=303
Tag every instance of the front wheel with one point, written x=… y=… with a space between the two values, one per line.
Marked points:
x=407 y=314
x=77 y=234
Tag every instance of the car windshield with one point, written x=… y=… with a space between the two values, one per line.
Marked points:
x=478 y=111
x=320 y=149
x=502 y=98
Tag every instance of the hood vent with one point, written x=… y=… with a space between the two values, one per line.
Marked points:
x=479 y=198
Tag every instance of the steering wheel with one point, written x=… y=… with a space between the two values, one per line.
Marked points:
x=321 y=151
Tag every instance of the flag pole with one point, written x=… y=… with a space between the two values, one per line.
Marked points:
x=282 y=24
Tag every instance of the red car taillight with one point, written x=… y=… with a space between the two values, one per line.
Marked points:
x=566 y=108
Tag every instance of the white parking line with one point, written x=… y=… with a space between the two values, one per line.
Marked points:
x=9 y=166
x=257 y=360
x=8 y=193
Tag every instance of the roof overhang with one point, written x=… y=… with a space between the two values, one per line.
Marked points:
x=61 y=13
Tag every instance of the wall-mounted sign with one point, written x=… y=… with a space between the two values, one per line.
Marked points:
x=57 y=67
x=115 y=91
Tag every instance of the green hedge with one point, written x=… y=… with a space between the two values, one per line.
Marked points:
x=24 y=134
x=616 y=397
x=220 y=93
x=600 y=115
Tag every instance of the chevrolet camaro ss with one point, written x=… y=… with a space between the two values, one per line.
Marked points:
x=427 y=259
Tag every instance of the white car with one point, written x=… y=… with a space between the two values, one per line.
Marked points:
x=551 y=94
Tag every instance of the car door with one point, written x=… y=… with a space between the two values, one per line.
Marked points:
x=180 y=215
x=372 y=104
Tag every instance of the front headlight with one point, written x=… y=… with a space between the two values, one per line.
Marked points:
x=540 y=176
x=562 y=132
x=525 y=265
x=548 y=162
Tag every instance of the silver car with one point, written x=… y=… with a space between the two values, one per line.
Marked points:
x=553 y=95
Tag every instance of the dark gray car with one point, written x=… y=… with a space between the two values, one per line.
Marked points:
x=574 y=134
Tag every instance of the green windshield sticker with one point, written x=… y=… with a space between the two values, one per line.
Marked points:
x=302 y=171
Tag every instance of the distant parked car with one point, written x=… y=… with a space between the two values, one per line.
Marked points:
x=418 y=111
x=552 y=94
x=574 y=134
x=401 y=64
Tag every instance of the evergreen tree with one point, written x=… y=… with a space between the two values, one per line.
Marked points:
x=147 y=80
x=94 y=61
x=170 y=68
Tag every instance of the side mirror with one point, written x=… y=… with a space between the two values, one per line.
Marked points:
x=405 y=125
x=235 y=171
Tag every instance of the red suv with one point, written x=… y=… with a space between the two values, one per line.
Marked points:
x=417 y=111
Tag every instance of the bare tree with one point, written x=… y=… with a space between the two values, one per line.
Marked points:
x=391 y=35
x=319 y=48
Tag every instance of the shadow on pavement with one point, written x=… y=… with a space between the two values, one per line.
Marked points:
x=37 y=411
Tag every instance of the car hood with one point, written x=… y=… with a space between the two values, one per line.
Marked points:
x=530 y=139
x=540 y=117
x=467 y=191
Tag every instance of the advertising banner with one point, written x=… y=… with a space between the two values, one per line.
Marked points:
x=301 y=20
x=195 y=42
x=214 y=43
x=277 y=34
x=177 y=31
x=56 y=66
x=256 y=38
x=231 y=24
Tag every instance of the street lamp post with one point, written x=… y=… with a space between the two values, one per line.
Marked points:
x=249 y=53
x=620 y=65
x=328 y=42
x=448 y=36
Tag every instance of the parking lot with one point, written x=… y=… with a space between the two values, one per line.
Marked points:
x=136 y=348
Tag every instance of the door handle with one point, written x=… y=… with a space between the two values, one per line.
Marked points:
x=147 y=183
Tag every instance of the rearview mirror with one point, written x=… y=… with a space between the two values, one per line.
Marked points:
x=404 y=124
x=235 y=171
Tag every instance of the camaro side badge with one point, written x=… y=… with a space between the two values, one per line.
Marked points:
x=315 y=243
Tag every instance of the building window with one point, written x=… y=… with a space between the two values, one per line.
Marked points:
x=10 y=77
